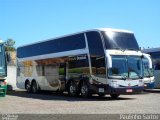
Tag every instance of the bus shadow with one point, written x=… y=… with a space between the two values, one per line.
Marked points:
x=62 y=97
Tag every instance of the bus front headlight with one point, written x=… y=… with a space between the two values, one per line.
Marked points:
x=114 y=84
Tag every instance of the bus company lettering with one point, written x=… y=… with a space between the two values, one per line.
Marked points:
x=77 y=58
x=81 y=57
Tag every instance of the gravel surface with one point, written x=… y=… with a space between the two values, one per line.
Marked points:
x=51 y=103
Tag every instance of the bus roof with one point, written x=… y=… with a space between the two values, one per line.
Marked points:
x=150 y=50
x=96 y=29
x=114 y=30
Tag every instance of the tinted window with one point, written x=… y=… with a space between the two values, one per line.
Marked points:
x=78 y=61
x=95 y=44
x=96 y=54
x=52 y=46
x=156 y=60
x=134 y=67
x=119 y=67
x=78 y=66
x=98 y=67
x=3 y=69
x=119 y=40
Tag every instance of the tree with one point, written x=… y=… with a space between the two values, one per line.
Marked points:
x=9 y=45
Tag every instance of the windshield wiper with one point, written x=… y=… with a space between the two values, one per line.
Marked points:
x=118 y=48
x=124 y=77
x=131 y=49
x=140 y=77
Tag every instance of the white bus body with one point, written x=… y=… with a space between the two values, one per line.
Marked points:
x=102 y=61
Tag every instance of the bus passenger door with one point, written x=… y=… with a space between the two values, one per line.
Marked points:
x=99 y=69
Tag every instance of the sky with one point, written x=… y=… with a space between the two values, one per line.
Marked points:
x=29 y=21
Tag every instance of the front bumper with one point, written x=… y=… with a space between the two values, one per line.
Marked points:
x=149 y=85
x=126 y=90
x=119 y=90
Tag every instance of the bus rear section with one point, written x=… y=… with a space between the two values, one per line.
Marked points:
x=3 y=71
x=83 y=64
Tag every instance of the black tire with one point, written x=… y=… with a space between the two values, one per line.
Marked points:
x=84 y=90
x=28 y=87
x=101 y=94
x=59 y=92
x=34 y=87
x=72 y=89
x=114 y=96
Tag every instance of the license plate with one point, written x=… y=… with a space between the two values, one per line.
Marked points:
x=129 y=90
x=101 y=90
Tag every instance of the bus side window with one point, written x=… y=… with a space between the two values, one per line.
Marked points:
x=96 y=51
x=156 y=60
x=100 y=67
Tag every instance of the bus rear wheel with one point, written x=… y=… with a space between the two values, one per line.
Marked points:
x=72 y=89
x=114 y=96
x=34 y=87
x=28 y=87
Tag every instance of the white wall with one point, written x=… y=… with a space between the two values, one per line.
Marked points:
x=11 y=76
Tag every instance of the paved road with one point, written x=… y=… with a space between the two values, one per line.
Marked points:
x=46 y=103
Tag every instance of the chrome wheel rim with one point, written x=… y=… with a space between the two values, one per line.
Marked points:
x=72 y=89
x=84 y=89
x=28 y=87
x=34 y=88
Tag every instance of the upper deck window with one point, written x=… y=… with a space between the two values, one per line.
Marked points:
x=95 y=43
x=63 y=44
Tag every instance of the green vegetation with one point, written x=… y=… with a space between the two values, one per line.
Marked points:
x=9 y=45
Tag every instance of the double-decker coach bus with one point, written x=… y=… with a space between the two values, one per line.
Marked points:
x=3 y=70
x=155 y=55
x=101 y=61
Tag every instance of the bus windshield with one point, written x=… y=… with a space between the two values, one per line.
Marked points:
x=3 y=68
x=124 y=67
x=134 y=67
x=120 y=40
x=146 y=67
